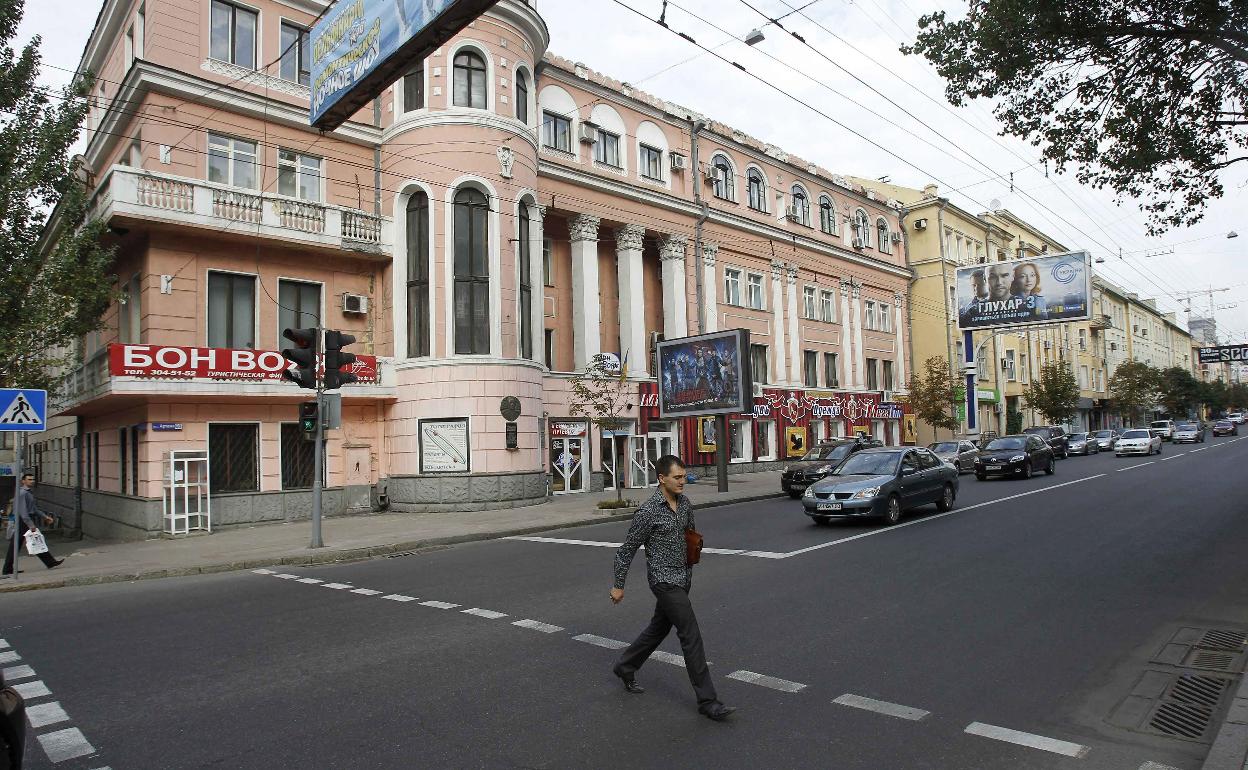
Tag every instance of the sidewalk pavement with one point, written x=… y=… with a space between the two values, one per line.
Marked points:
x=1230 y=748
x=346 y=538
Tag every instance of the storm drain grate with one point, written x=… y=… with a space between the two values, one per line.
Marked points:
x=1211 y=659
x=1197 y=690
x=1231 y=641
x=400 y=555
x=1181 y=719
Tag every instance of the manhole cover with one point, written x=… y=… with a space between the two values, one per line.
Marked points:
x=1197 y=690
x=1231 y=641
x=1182 y=720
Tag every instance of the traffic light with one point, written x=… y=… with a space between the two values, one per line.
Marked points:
x=303 y=354
x=309 y=413
x=336 y=361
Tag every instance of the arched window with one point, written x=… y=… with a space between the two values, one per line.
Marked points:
x=881 y=235
x=469 y=80
x=526 y=284
x=757 y=189
x=418 y=275
x=827 y=215
x=722 y=178
x=862 y=228
x=522 y=97
x=801 y=206
x=472 y=273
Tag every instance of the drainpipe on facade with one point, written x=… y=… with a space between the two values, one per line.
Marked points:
x=914 y=278
x=697 y=126
x=944 y=278
x=377 y=160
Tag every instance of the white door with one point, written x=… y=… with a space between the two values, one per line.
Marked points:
x=657 y=445
x=638 y=466
x=568 y=463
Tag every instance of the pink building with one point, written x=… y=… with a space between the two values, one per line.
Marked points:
x=497 y=218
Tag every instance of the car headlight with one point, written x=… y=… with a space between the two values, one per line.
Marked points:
x=1018 y=458
x=866 y=494
x=810 y=492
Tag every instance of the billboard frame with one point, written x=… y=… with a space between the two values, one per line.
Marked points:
x=1213 y=354
x=740 y=338
x=961 y=300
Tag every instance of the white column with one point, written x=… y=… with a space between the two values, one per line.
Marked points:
x=710 y=284
x=860 y=375
x=675 y=302
x=795 y=343
x=586 y=297
x=847 y=339
x=777 y=324
x=899 y=368
x=537 y=284
x=632 y=299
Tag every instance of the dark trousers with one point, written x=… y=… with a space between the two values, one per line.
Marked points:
x=672 y=608
x=45 y=557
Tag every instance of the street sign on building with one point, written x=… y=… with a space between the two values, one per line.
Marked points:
x=23 y=410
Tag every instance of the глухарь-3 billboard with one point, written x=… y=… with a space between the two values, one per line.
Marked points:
x=1034 y=290
x=707 y=374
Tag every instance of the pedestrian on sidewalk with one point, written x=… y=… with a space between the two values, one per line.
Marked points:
x=660 y=526
x=30 y=519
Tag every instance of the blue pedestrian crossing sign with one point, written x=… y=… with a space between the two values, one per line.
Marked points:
x=23 y=409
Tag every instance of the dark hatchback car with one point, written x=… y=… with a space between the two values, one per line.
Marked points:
x=1055 y=436
x=882 y=483
x=1225 y=428
x=819 y=462
x=1015 y=456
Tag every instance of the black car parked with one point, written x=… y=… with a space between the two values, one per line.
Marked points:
x=819 y=462
x=1056 y=437
x=1015 y=456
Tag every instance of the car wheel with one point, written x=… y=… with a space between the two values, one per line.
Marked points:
x=981 y=476
x=1052 y=467
x=945 y=503
x=892 y=514
x=1027 y=469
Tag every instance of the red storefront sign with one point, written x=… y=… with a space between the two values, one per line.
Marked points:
x=174 y=362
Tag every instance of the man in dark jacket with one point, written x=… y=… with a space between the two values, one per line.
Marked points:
x=30 y=517
x=660 y=525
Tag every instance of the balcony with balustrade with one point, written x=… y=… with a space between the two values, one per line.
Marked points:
x=138 y=197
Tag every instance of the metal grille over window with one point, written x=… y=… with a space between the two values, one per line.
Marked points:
x=298 y=458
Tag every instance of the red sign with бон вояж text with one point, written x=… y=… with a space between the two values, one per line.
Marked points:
x=175 y=362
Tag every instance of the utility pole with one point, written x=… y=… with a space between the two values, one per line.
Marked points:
x=318 y=459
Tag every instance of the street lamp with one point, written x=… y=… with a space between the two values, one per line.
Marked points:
x=755 y=37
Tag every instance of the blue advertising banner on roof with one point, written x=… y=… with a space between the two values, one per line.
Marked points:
x=360 y=47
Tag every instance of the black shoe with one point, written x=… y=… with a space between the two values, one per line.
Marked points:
x=716 y=711
x=631 y=686
x=56 y=564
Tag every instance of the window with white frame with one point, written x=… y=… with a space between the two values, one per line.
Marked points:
x=1084 y=379
x=801 y=206
x=1010 y=371
x=827 y=215
x=298 y=175
x=886 y=317
x=522 y=97
x=231 y=310
x=739 y=441
x=754 y=290
x=808 y=303
x=722 y=178
x=732 y=286
x=827 y=307
x=887 y=375
x=1023 y=375
x=757 y=188
x=556 y=131
x=765 y=439
x=831 y=372
x=869 y=320
x=469 y=80
x=873 y=374
x=760 y=370
x=607 y=149
x=298 y=305
x=296 y=62
x=233 y=34
x=810 y=368
x=651 y=163
x=231 y=161
x=414 y=89
x=882 y=235
x=862 y=228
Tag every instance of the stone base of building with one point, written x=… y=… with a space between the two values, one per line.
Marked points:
x=465 y=492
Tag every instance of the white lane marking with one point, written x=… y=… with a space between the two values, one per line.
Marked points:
x=286 y=576
x=365 y=591
x=667 y=657
x=563 y=541
x=264 y=572
x=924 y=520
x=9 y=656
x=537 y=625
x=1203 y=448
x=30 y=690
x=1172 y=457
x=1133 y=467
x=1030 y=740
x=65 y=744
x=440 y=605
x=4 y=644
x=399 y=598
x=882 y=707
x=309 y=580
x=338 y=586
x=14 y=673
x=1156 y=766
x=46 y=714
x=489 y=614
x=763 y=680
x=601 y=641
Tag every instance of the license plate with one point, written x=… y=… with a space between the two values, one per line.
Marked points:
x=994 y=467
x=829 y=506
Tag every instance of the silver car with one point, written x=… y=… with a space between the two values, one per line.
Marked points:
x=1186 y=432
x=1083 y=444
x=960 y=454
x=1105 y=439
x=1138 y=441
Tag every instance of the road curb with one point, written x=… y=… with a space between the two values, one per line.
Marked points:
x=362 y=553
x=1230 y=748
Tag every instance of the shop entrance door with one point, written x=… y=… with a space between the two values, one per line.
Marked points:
x=657 y=445
x=567 y=462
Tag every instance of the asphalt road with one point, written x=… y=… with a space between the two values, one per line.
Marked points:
x=1033 y=607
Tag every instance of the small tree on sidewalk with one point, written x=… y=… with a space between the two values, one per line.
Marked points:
x=1133 y=387
x=935 y=394
x=1055 y=393
x=601 y=394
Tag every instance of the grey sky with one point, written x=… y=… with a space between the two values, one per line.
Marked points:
x=611 y=39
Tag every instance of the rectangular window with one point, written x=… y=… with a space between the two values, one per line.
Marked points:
x=808 y=303
x=759 y=369
x=414 y=89
x=129 y=46
x=873 y=374
x=418 y=306
x=134 y=462
x=754 y=290
x=299 y=306
x=651 y=163
x=548 y=351
x=765 y=439
x=298 y=458
x=827 y=308
x=95 y=460
x=810 y=368
x=607 y=149
x=732 y=286
x=1083 y=378
x=296 y=62
x=831 y=372
x=869 y=323
x=556 y=132
x=121 y=460
x=129 y=311
x=298 y=175
x=231 y=310
x=886 y=318
x=1023 y=374
x=234 y=457
x=233 y=35
x=738 y=434
x=231 y=161
x=888 y=375
x=526 y=286
x=1010 y=373
x=548 y=273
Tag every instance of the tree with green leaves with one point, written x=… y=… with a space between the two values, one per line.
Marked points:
x=1054 y=393
x=1216 y=396
x=935 y=395
x=1147 y=97
x=1133 y=388
x=54 y=270
x=601 y=393
x=1178 y=391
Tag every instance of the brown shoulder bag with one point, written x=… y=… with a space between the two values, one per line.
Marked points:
x=693 y=547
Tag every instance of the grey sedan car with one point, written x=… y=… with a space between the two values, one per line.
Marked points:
x=882 y=483
x=1185 y=432
x=1084 y=444
x=1106 y=439
x=959 y=454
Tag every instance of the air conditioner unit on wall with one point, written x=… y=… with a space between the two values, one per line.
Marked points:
x=587 y=133
x=887 y=395
x=920 y=224
x=858 y=243
x=895 y=237
x=790 y=213
x=679 y=162
x=708 y=173
x=354 y=303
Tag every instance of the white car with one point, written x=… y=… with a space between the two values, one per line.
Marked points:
x=1163 y=427
x=1138 y=441
x=1236 y=417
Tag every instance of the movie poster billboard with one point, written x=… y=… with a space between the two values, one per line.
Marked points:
x=1033 y=290
x=706 y=374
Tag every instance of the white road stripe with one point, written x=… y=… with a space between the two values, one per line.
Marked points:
x=365 y=591
x=18 y=672
x=399 y=598
x=667 y=657
x=1203 y=448
x=563 y=541
x=65 y=744
x=763 y=680
x=440 y=605
x=537 y=625
x=309 y=580
x=4 y=644
x=1156 y=766
x=46 y=714
x=489 y=614
x=1065 y=748
x=882 y=707
x=9 y=656
x=1172 y=457
x=934 y=517
x=601 y=641
x=1133 y=467
x=264 y=571
x=30 y=690
x=286 y=576
x=338 y=586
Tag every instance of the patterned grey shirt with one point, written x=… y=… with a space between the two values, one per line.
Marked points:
x=662 y=531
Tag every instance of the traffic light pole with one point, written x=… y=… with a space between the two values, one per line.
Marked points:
x=318 y=465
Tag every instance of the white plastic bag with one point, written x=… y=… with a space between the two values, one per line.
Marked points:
x=35 y=544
